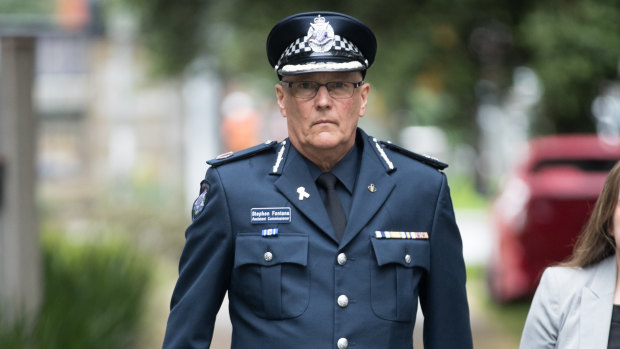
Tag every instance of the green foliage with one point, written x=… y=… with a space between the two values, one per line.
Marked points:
x=436 y=50
x=464 y=195
x=174 y=31
x=574 y=47
x=26 y=6
x=94 y=295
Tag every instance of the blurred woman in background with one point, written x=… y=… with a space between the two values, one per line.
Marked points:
x=577 y=304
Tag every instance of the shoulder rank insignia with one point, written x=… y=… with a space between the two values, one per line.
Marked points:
x=277 y=166
x=201 y=201
x=246 y=153
x=376 y=146
x=422 y=158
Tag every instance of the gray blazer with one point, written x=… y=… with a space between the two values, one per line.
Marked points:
x=572 y=308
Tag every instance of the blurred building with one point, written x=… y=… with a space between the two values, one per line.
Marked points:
x=102 y=132
x=105 y=126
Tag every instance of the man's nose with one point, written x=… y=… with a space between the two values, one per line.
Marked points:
x=322 y=95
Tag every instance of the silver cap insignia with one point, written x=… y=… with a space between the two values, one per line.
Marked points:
x=321 y=35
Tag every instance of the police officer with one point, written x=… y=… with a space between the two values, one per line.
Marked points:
x=329 y=238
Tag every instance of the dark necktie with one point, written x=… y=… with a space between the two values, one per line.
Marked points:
x=332 y=203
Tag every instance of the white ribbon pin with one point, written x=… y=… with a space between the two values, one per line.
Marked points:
x=302 y=193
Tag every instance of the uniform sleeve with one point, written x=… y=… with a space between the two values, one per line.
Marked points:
x=443 y=297
x=204 y=272
x=542 y=322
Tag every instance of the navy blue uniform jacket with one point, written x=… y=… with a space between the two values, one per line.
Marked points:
x=290 y=300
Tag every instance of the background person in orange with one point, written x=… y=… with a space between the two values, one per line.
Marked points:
x=241 y=122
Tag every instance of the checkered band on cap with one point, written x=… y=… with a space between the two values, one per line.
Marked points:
x=298 y=46
x=301 y=45
x=313 y=42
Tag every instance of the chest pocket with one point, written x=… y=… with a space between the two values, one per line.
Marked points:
x=395 y=274
x=273 y=275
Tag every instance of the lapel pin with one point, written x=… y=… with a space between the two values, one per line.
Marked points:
x=302 y=193
x=372 y=188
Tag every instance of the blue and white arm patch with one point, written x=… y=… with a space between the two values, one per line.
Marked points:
x=201 y=201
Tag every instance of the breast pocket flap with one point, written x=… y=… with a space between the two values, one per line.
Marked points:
x=258 y=250
x=407 y=253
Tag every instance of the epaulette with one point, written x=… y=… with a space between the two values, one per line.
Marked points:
x=422 y=158
x=245 y=153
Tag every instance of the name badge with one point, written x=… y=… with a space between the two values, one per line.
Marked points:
x=270 y=215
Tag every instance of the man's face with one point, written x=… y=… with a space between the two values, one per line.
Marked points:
x=322 y=123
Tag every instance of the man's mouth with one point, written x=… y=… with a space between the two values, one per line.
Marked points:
x=323 y=121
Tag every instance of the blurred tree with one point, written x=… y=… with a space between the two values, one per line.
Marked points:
x=26 y=6
x=574 y=46
x=431 y=53
x=424 y=71
x=175 y=32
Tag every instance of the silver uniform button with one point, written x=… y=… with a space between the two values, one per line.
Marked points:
x=343 y=343
x=342 y=259
x=407 y=258
x=343 y=301
x=268 y=256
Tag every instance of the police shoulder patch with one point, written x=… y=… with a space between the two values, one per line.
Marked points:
x=201 y=201
x=419 y=157
x=246 y=153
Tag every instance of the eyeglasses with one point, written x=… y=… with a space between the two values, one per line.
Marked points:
x=309 y=89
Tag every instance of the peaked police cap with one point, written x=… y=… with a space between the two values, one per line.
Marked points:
x=320 y=42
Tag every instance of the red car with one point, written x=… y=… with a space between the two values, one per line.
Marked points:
x=543 y=207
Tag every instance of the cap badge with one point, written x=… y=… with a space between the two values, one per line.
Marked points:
x=321 y=35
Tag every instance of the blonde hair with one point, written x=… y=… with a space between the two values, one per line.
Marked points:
x=596 y=241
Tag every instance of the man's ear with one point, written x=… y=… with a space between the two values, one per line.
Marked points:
x=280 y=99
x=364 y=92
